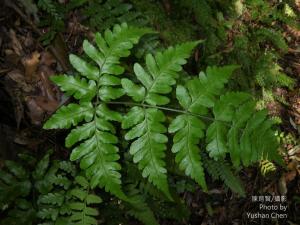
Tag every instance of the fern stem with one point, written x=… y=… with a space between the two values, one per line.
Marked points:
x=164 y=108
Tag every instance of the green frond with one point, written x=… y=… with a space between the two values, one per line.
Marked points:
x=70 y=115
x=98 y=152
x=198 y=95
x=189 y=130
x=98 y=158
x=266 y=167
x=240 y=130
x=162 y=70
x=221 y=171
x=222 y=123
x=146 y=124
x=52 y=198
x=150 y=144
x=14 y=183
x=79 y=88
x=96 y=149
x=81 y=211
x=216 y=136
x=138 y=208
x=104 y=14
x=201 y=92
x=59 y=203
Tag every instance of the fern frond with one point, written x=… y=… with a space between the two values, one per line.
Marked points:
x=97 y=149
x=101 y=155
x=162 y=70
x=249 y=136
x=146 y=124
x=148 y=149
x=221 y=170
x=266 y=167
x=189 y=131
x=104 y=14
x=62 y=204
x=196 y=97
x=52 y=198
x=14 y=183
x=50 y=7
x=275 y=37
x=268 y=73
x=70 y=115
x=228 y=123
x=138 y=208
x=80 y=88
x=217 y=131
x=81 y=212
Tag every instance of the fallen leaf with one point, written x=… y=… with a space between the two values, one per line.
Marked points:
x=18 y=77
x=46 y=104
x=12 y=57
x=282 y=185
x=35 y=112
x=46 y=86
x=31 y=64
x=61 y=50
x=290 y=176
x=16 y=44
x=47 y=59
x=29 y=41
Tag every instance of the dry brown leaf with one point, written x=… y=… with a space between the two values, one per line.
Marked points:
x=16 y=44
x=282 y=185
x=18 y=108
x=35 y=112
x=290 y=176
x=297 y=2
x=47 y=59
x=61 y=51
x=46 y=86
x=18 y=77
x=293 y=32
x=274 y=108
x=295 y=107
x=31 y=63
x=11 y=57
x=29 y=41
x=46 y=104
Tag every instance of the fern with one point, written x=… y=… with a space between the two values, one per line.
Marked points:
x=69 y=206
x=51 y=7
x=51 y=194
x=266 y=167
x=138 y=207
x=219 y=170
x=148 y=149
x=189 y=128
x=99 y=151
x=82 y=213
x=103 y=14
x=52 y=183
x=15 y=187
x=268 y=73
x=227 y=123
x=53 y=16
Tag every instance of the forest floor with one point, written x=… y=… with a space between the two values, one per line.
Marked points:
x=27 y=98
